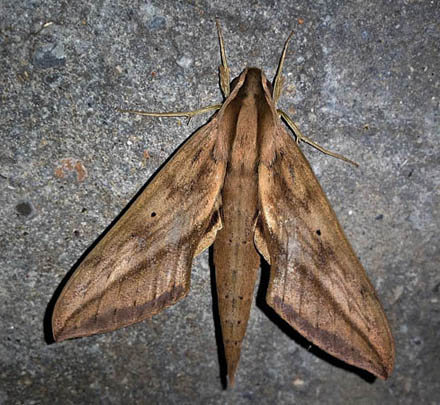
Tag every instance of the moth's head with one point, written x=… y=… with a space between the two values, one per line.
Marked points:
x=252 y=78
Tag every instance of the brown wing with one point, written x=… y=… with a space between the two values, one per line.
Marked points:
x=143 y=264
x=317 y=284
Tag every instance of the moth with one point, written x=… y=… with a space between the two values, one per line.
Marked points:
x=241 y=184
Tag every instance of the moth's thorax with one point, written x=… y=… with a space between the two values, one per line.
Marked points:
x=246 y=115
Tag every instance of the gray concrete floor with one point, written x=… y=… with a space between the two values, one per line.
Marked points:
x=362 y=80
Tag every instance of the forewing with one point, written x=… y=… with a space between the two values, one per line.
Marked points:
x=142 y=265
x=317 y=284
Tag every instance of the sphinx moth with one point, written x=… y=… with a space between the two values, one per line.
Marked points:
x=241 y=184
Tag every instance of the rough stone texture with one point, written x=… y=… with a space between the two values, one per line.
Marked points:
x=362 y=80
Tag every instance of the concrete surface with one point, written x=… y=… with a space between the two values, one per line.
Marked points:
x=362 y=80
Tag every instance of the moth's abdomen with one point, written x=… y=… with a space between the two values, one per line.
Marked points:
x=236 y=264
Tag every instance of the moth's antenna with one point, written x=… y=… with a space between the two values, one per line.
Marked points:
x=279 y=79
x=223 y=68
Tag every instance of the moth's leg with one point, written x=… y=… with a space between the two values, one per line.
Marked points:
x=223 y=68
x=187 y=114
x=279 y=79
x=300 y=137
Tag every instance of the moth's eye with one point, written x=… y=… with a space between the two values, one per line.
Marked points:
x=269 y=85
x=233 y=83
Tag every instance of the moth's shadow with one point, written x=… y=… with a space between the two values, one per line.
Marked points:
x=47 y=319
x=223 y=368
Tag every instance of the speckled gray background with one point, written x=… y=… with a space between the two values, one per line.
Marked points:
x=362 y=80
